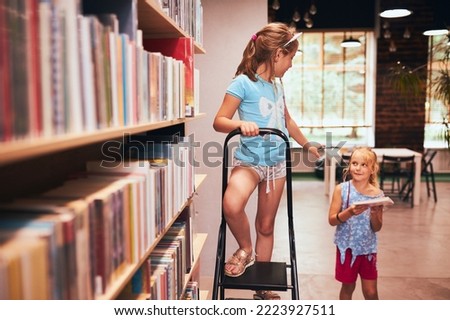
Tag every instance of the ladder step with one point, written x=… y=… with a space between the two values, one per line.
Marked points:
x=260 y=276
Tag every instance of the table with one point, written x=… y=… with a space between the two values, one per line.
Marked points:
x=331 y=162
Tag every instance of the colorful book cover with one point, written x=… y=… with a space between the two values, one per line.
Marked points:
x=5 y=83
x=180 y=49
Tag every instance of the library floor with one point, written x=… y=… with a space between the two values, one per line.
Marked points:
x=413 y=254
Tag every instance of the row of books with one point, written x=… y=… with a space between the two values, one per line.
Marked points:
x=187 y=14
x=192 y=291
x=78 y=238
x=62 y=72
x=162 y=276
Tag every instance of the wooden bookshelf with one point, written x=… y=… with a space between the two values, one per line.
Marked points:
x=129 y=271
x=18 y=158
x=199 y=178
x=199 y=242
x=155 y=24
x=25 y=149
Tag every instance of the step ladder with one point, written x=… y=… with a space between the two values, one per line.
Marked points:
x=261 y=275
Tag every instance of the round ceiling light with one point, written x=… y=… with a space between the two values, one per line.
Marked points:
x=395 y=13
x=350 y=43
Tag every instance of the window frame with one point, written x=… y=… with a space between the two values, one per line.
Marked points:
x=329 y=125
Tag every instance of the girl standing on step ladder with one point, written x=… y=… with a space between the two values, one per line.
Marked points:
x=259 y=162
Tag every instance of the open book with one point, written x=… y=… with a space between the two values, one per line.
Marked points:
x=383 y=201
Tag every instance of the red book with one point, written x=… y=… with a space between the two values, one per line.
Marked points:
x=5 y=85
x=33 y=60
x=181 y=49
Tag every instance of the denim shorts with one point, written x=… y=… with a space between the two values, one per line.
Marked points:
x=265 y=173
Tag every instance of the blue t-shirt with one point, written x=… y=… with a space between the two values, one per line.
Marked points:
x=355 y=233
x=262 y=103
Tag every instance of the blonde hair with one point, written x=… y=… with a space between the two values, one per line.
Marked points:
x=262 y=47
x=371 y=158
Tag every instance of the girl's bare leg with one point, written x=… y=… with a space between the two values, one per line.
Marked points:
x=347 y=290
x=265 y=218
x=241 y=185
x=369 y=289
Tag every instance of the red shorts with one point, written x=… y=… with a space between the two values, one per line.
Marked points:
x=364 y=265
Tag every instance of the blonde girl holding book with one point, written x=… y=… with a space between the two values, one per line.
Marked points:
x=357 y=225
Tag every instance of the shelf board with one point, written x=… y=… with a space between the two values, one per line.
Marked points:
x=204 y=294
x=199 y=242
x=154 y=23
x=199 y=178
x=12 y=151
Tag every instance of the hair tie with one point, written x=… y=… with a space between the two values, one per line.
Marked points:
x=254 y=37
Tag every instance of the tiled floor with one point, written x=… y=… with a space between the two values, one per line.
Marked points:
x=413 y=253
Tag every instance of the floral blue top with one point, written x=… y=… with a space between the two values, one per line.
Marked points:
x=356 y=233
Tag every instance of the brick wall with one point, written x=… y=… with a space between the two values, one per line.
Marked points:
x=400 y=118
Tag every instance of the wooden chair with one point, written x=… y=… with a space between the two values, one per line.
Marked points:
x=428 y=172
x=399 y=173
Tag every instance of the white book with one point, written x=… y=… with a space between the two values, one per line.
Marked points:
x=196 y=91
x=169 y=88
x=46 y=67
x=383 y=201
x=144 y=87
x=131 y=83
x=72 y=71
x=176 y=89
x=87 y=75
x=113 y=64
x=141 y=85
x=155 y=80
x=182 y=85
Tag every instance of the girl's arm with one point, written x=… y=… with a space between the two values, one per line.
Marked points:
x=335 y=207
x=376 y=218
x=224 y=122
x=335 y=215
x=297 y=134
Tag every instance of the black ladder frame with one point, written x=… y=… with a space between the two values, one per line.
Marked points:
x=262 y=275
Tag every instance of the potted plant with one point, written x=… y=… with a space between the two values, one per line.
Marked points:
x=441 y=85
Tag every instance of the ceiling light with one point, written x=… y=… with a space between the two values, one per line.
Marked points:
x=350 y=43
x=436 y=32
x=395 y=13
x=276 y=5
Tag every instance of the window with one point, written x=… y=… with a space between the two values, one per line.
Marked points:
x=330 y=89
x=435 y=110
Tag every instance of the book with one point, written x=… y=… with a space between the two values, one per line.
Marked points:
x=45 y=56
x=181 y=49
x=106 y=225
x=73 y=214
x=6 y=109
x=48 y=229
x=87 y=75
x=26 y=268
x=144 y=218
x=16 y=24
x=383 y=201
x=33 y=68
x=68 y=12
